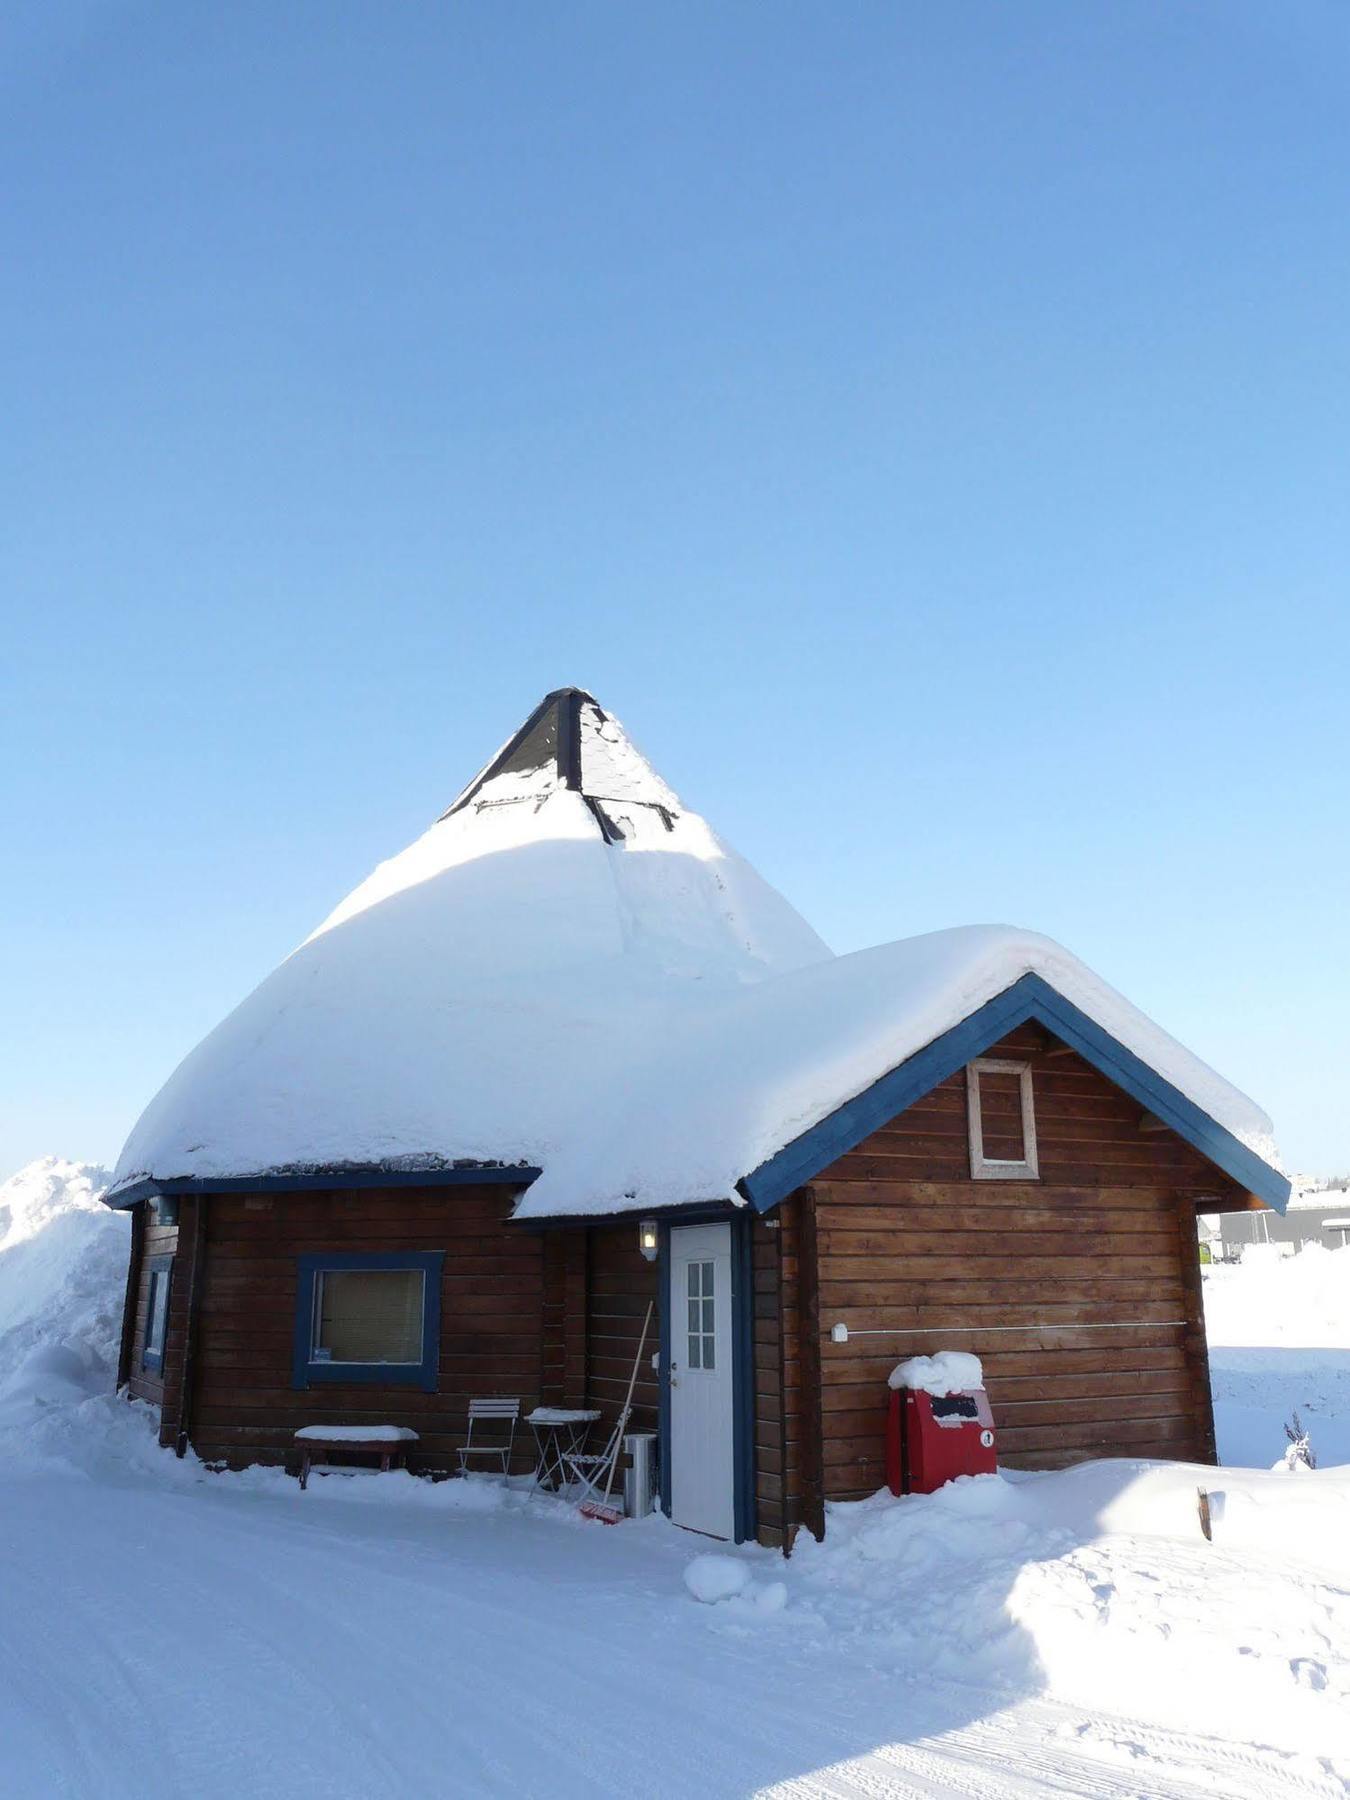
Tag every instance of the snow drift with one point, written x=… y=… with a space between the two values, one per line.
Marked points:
x=1101 y=1572
x=63 y=1259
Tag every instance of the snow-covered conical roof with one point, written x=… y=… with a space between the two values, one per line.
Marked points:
x=457 y=1005
x=570 y=971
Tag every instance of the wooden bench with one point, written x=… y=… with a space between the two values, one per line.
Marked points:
x=388 y=1443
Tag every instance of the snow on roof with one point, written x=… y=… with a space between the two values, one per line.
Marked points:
x=571 y=971
x=728 y=1086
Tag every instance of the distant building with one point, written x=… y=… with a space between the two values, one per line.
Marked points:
x=1316 y=1215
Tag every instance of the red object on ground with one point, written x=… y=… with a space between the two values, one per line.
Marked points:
x=931 y=1440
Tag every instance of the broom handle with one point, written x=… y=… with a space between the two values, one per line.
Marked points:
x=628 y=1403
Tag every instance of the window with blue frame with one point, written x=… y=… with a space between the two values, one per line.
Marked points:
x=159 y=1270
x=373 y=1318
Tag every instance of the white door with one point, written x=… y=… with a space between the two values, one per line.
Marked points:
x=702 y=1450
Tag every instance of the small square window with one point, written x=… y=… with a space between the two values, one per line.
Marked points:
x=159 y=1270
x=369 y=1318
x=1002 y=1115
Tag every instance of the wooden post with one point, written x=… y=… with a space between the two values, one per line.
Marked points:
x=1195 y=1343
x=781 y=1363
x=190 y=1330
x=135 y=1257
x=813 y=1447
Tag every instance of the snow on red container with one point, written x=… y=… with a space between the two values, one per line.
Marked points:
x=939 y=1424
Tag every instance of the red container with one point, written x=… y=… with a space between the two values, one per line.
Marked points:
x=931 y=1439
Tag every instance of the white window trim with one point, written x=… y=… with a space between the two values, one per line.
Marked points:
x=993 y=1168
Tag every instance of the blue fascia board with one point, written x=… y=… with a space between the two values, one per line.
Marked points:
x=675 y=1212
x=1031 y=997
x=334 y=1175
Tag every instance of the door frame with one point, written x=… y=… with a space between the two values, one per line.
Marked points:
x=742 y=1359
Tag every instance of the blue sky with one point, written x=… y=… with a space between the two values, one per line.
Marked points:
x=925 y=425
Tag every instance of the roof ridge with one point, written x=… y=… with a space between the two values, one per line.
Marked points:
x=566 y=704
x=552 y=740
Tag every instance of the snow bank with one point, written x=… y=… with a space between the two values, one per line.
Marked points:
x=63 y=1259
x=1279 y=1337
x=949 y=1372
x=1100 y=1578
x=588 y=981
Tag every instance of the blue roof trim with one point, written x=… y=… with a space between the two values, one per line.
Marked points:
x=1030 y=998
x=333 y=1175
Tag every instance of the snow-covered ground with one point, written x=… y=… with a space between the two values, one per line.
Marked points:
x=164 y=1631
x=1279 y=1339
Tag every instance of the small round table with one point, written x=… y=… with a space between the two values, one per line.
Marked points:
x=558 y=1432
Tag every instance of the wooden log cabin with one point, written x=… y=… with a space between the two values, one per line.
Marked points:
x=567 y=1055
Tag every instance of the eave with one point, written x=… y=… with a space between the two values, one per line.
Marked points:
x=1031 y=997
x=320 y=1178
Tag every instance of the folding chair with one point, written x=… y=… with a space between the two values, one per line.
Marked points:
x=590 y=1467
x=498 y=1416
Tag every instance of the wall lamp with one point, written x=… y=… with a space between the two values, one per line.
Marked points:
x=647 y=1239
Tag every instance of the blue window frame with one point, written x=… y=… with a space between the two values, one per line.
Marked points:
x=417 y=1354
x=160 y=1270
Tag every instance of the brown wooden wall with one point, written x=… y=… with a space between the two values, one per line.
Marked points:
x=620 y=1283
x=244 y=1406
x=770 y=1447
x=551 y=1316
x=908 y=1245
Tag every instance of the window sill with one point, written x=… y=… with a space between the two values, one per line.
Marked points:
x=371 y=1374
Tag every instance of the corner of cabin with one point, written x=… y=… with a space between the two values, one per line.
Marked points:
x=1069 y=1263
x=154 y=1323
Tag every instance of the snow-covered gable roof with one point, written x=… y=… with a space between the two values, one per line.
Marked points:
x=571 y=973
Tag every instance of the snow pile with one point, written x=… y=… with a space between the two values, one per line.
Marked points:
x=1099 y=1578
x=571 y=971
x=1301 y=1300
x=949 y=1372
x=1279 y=1342
x=713 y=1579
x=63 y=1262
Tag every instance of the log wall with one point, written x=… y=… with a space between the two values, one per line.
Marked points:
x=553 y=1317
x=497 y=1336
x=620 y=1283
x=1095 y=1263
